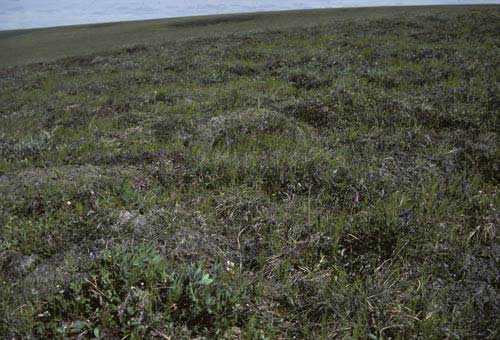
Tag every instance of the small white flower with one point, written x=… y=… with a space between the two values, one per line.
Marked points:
x=229 y=266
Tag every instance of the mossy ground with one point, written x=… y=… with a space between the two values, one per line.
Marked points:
x=310 y=180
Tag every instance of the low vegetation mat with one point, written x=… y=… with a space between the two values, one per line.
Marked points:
x=308 y=179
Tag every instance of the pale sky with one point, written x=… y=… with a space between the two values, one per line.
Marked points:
x=16 y=14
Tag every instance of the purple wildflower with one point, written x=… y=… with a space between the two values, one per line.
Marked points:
x=94 y=254
x=406 y=216
x=356 y=198
x=439 y=198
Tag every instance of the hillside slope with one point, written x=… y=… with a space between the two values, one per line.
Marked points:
x=329 y=174
x=20 y=47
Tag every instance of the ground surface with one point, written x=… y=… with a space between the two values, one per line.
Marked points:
x=327 y=174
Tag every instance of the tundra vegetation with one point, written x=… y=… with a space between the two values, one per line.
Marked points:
x=307 y=175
